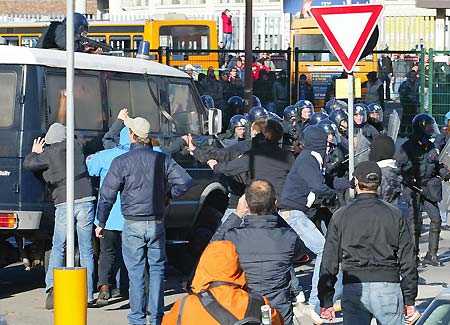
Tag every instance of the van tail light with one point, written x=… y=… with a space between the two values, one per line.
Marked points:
x=8 y=220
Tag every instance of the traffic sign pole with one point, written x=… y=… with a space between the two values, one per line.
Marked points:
x=351 y=139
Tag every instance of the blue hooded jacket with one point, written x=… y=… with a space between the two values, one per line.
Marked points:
x=98 y=165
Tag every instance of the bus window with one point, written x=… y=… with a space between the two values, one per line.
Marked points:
x=88 y=109
x=136 y=41
x=98 y=38
x=29 y=41
x=184 y=37
x=314 y=42
x=8 y=81
x=12 y=40
x=120 y=42
x=183 y=108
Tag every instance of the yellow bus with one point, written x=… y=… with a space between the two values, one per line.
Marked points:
x=181 y=35
x=320 y=67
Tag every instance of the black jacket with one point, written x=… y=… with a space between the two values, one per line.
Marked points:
x=304 y=178
x=144 y=179
x=264 y=161
x=372 y=242
x=266 y=247
x=52 y=164
x=419 y=164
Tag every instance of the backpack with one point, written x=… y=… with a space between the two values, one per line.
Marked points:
x=222 y=315
x=47 y=39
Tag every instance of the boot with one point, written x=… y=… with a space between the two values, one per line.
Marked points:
x=103 y=296
x=433 y=245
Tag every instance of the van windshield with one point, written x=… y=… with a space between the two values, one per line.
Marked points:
x=8 y=83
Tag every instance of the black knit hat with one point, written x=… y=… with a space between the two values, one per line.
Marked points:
x=368 y=172
x=381 y=148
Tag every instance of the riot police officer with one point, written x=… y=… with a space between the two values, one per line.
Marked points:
x=375 y=116
x=236 y=131
x=290 y=127
x=235 y=105
x=421 y=171
x=360 y=122
x=317 y=117
x=207 y=101
x=334 y=104
x=304 y=111
x=340 y=119
x=257 y=113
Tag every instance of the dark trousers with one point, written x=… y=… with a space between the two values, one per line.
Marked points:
x=111 y=261
x=420 y=205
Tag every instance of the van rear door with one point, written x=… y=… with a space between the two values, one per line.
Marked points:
x=10 y=134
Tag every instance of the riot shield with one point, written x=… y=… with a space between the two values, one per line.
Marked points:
x=362 y=148
x=393 y=126
x=444 y=156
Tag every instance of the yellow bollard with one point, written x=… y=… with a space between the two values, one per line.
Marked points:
x=70 y=296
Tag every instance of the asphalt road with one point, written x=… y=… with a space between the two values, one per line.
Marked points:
x=22 y=295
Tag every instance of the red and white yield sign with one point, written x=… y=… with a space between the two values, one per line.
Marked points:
x=347 y=29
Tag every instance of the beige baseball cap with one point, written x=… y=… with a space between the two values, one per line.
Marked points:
x=139 y=126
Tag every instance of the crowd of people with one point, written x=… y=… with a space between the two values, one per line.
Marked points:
x=289 y=196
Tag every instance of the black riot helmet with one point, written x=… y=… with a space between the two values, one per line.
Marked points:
x=208 y=101
x=235 y=105
x=255 y=101
x=290 y=112
x=238 y=121
x=330 y=128
x=338 y=117
x=335 y=104
x=301 y=104
x=361 y=109
x=257 y=113
x=317 y=117
x=80 y=24
x=375 y=112
x=424 y=126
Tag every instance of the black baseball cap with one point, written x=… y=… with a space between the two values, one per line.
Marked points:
x=368 y=172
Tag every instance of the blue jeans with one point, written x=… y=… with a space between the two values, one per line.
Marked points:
x=380 y=300
x=145 y=241
x=315 y=242
x=227 y=40
x=84 y=219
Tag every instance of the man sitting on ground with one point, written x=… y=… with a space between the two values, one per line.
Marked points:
x=218 y=281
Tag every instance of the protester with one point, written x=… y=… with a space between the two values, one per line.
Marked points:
x=227 y=29
x=382 y=151
x=265 y=159
x=48 y=157
x=303 y=192
x=418 y=160
x=280 y=92
x=110 y=258
x=144 y=178
x=386 y=72
x=264 y=242
x=372 y=243
x=220 y=278
x=263 y=88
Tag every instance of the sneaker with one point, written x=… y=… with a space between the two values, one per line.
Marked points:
x=49 y=300
x=103 y=296
x=432 y=260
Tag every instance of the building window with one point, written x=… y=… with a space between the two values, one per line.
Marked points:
x=135 y=3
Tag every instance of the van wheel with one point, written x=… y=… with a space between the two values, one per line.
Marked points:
x=207 y=224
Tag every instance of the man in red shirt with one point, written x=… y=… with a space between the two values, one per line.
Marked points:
x=227 y=28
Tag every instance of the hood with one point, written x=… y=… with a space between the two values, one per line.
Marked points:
x=315 y=139
x=219 y=262
x=56 y=133
x=381 y=148
x=124 y=138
